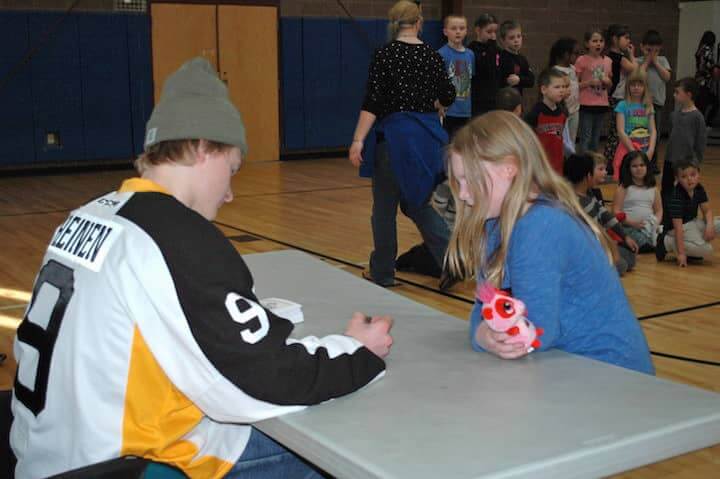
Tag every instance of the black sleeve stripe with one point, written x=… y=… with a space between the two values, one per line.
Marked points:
x=206 y=269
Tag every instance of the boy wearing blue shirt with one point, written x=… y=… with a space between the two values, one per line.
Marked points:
x=459 y=62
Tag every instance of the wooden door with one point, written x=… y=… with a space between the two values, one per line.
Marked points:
x=248 y=57
x=179 y=33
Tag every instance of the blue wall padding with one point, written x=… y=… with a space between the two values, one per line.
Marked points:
x=16 y=120
x=90 y=82
x=291 y=78
x=141 y=80
x=324 y=72
x=357 y=41
x=321 y=74
x=57 y=96
x=433 y=35
x=105 y=86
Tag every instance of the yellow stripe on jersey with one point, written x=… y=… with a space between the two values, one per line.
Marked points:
x=157 y=417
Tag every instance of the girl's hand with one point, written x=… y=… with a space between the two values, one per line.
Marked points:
x=650 y=154
x=440 y=109
x=635 y=224
x=632 y=244
x=631 y=50
x=709 y=233
x=682 y=260
x=595 y=82
x=495 y=343
x=513 y=80
x=355 y=154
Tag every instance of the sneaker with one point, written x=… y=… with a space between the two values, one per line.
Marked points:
x=390 y=283
x=660 y=251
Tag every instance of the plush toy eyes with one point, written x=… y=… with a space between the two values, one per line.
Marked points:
x=505 y=308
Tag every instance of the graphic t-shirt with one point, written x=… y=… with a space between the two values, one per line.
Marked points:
x=589 y=68
x=637 y=123
x=459 y=66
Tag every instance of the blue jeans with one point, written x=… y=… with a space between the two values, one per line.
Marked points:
x=591 y=122
x=264 y=458
x=386 y=199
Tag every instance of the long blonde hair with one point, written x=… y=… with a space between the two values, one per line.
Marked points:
x=639 y=76
x=495 y=137
x=404 y=13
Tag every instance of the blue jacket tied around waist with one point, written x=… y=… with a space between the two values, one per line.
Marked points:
x=415 y=143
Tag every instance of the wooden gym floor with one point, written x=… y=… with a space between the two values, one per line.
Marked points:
x=323 y=207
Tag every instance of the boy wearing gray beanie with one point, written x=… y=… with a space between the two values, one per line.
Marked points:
x=144 y=336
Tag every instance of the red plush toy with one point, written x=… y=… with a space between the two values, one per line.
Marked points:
x=503 y=313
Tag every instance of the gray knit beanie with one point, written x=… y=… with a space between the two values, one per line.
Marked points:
x=195 y=105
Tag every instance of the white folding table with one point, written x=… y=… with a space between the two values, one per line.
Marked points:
x=444 y=411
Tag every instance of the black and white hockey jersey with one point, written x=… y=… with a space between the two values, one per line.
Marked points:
x=144 y=337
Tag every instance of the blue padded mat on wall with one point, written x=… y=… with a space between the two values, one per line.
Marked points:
x=321 y=75
x=141 y=81
x=16 y=115
x=105 y=86
x=291 y=78
x=57 y=101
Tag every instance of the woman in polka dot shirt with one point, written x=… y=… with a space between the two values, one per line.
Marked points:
x=407 y=85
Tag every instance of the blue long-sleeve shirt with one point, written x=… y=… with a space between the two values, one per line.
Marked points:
x=557 y=267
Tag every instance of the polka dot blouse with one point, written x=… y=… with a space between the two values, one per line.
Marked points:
x=407 y=77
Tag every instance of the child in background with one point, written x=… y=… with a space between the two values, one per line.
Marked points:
x=514 y=69
x=593 y=71
x=519 y=226
x=599 y=175
x=635 y=120
x=563 y=55
x=508 y=99
x=637 y=204
x=688 y=134
x=548 y=116
x=459 y=63
x=579 y=170
x=684 y=234
x=622 y=55
x=487 y=61
x=658 y=72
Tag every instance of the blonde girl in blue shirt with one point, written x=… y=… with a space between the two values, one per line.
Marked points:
x=520 y=227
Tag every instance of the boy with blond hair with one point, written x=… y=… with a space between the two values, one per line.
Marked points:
x=459 y=64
